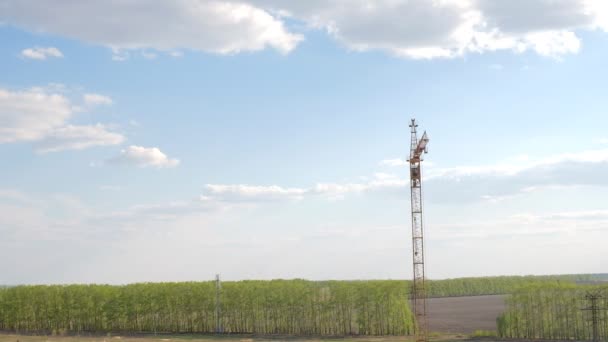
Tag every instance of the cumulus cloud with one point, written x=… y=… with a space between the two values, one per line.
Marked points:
x=242 y=192
x=41 y=53
x=144 y=157
x=41 y=116
x=419 y=29
x=215 y=26
x=72 y=137
x=31 y=114
x=406 y=28
x=449 y=28
x=97 y=99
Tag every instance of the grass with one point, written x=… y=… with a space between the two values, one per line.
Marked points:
x=484 y=333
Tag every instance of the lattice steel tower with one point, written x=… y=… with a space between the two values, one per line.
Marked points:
x=594 y=297
x=418 y=294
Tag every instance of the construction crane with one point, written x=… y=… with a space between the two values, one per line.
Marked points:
x=418 y=291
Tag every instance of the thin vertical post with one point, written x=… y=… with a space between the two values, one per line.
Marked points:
x=218 y=306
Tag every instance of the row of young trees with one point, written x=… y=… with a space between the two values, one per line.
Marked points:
x=264 y=307
x=500 y=284
x=552 y=310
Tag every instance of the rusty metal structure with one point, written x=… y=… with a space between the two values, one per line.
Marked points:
x=418 y=291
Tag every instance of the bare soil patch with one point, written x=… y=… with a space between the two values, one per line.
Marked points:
x=464 y=314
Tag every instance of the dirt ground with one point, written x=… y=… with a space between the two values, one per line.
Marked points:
x=464 y=314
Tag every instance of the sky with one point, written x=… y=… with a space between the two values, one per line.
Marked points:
x=152 y=140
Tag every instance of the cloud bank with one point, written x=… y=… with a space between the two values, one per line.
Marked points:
x=222 y=27
x=419 y=29
x=449 y=28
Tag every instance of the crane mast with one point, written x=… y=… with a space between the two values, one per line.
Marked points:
x=418 y=292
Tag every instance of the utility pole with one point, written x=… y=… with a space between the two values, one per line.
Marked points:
x=218 y=307
x=594 y=308
x=418 y=295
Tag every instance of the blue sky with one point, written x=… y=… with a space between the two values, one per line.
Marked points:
x=161 y=141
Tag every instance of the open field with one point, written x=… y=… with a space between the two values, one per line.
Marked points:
x=465 y=314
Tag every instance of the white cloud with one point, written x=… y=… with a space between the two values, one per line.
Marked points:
x=448 y=28
x=97 y=99
x=119 y=55
x=215 y=26
x=144 y=157
x=72 y=137
x=338 y=191
x=41 y=53
x=394 y=162
x=553 y=43
x=31 y=114
x=416 y=29
x=334 y=191
x=520 y=176
x=41 y=116
x=241 y=192
x=419 y=29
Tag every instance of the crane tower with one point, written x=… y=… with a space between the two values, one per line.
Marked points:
x=418 y=294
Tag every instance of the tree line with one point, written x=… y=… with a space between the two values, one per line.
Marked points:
x=552 y=311
x=476 y=286
x=297 y=307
